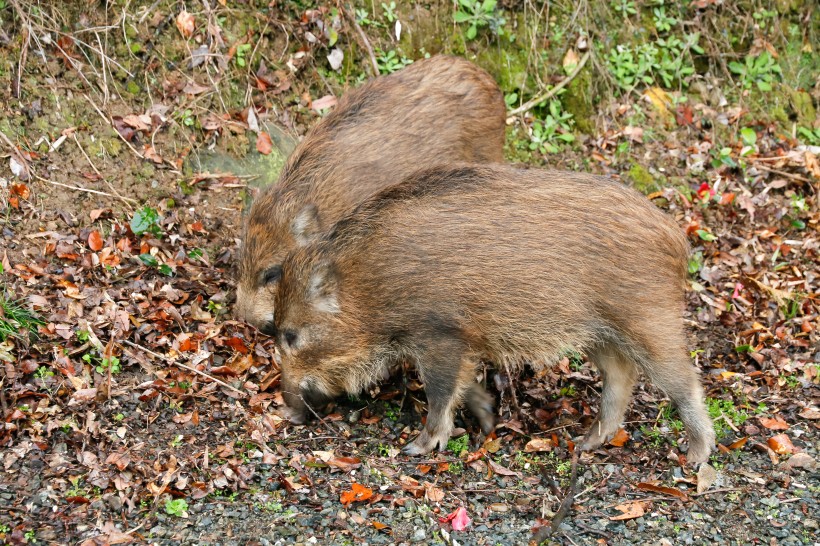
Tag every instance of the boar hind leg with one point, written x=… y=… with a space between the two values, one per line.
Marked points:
x=480 y=404
x=619 y=375
x=679 y=379
x=445 y=374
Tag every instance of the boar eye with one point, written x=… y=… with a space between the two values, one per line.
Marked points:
x=290 y=337
x=272 y=274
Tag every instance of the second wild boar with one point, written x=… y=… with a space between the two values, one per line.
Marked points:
x=437 y=110
x=466 y=263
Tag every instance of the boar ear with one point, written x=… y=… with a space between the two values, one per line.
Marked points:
x=305 y=226
x=324 y=288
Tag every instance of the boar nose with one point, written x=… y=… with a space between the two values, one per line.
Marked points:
x=296 y=411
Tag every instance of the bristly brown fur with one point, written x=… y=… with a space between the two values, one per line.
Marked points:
x=469 y=262
x=436 y=110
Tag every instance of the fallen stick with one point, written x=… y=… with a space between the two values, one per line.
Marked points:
x=544 y=532
x=549 y=94
x=185 y=367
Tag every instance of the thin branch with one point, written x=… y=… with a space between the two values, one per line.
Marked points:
x=549 y=94
x=86 y=190
x=544 y=532
x=351 y=15
x=110 y=185
x=172 y=361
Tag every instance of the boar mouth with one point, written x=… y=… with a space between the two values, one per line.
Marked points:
x=269 y=328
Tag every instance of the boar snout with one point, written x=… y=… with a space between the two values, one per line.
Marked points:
x=301 y=397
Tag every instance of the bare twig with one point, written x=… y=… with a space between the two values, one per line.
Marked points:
x=17 y=89
x=549 y=94
x=351 y=15
x=544 y=532
x=782 y=173
x=185 y=367
x=86 y=190
x=111 y=123
x=110 y=185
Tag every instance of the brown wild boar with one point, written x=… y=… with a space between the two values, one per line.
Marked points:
x=436 y=110
x=462 y=263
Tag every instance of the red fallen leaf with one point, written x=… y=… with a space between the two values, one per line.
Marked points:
x=371 y=420
x=264 y=145
x=85 y=395
x=683 y=115
x=151 y=154
x=643 y=486
x=458 y=519
x=22 y=190
x=223 y=370
x=237 y=344
x=122 y=460
x=197 y=226
x=776 y=423
x=381 y=526
x=737 y=444
x=78 y=500
x=781 y=444
x=537 y=444
x=328 y=101
x=433 y=493
x=14 y=202
x=620 y=438
x=424 y=468
x=810 y=413
x=345 y=463
x=185 y=23
x=498 y=469
x=95 y=241
x=358 y=493
x=631 y=510
x=126 y=131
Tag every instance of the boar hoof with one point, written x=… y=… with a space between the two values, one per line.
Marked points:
x=426 y=443
x=596 y=437
x=696 y=456
x=292 y=415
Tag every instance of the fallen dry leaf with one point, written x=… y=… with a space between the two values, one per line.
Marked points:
x=810 y=413
x=775 y=423
x=800 y=460
x=620 y=438
x=328 y=101
x=264 y=145
x=433 y=493
x=538 y=444
x=358 y=493
x=781 y=444
x=631 y=510
x=185 y=23
x=706 y=477
x=643 y=486
x=95 y=241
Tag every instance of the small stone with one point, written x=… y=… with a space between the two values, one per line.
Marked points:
x=419 y=535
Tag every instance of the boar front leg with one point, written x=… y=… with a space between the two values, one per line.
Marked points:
x=446 y=377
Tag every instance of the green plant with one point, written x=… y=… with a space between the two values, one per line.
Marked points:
x=241 y=52
x=4 y=529
x=43 y=372
x=112 y=363
x=654 y=437
x=151 y=261
x=663 y=22
x=393 y=413
x=391 y=61
x=176 y=507
x=624 y=7
x=30 y=536
x=459 y=445
x=76 y=490
x=16 y=319
x=695 y=262
x=810 y=136
x=760 y=71
x=119 y=417
x=146 y=220
x=390 y=12
x=82 y=336
x=549 y=134
x=568 y=391
x=479 y=14
x=723 y=158
x=720 y=410
x=383 y=450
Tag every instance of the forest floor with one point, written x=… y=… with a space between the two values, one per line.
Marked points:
x=136 y=409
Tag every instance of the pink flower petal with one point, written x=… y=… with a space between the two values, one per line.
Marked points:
x=736 y=293
x=458 y=519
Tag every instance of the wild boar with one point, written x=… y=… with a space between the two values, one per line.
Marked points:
x=436 y=110
x=463 y=263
